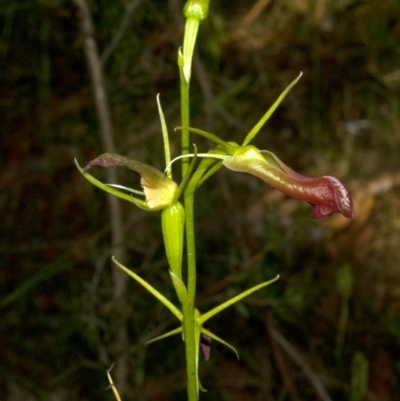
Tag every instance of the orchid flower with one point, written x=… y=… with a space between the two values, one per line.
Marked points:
x=327 y=194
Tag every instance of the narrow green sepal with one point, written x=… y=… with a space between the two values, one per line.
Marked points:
x=151 y=289
x=254 y=131
x=203 y=318
x=169 y=334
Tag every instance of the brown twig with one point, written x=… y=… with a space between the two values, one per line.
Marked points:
x=280 y=362
x=249 y=19
x=299 y=360
x=130 y=8
x=106 y=131
x=112 y=385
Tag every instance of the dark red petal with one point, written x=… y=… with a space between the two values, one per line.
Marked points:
x=328 y=195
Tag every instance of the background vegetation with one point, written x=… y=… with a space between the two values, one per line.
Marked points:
x=339 y=292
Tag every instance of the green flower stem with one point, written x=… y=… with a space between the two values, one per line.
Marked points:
x=194 y=11
x=189 y=322
x=189 y=332
x=188 y=309
x=185 y=115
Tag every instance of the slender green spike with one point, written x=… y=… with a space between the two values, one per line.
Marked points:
x=203 y=318
x=250 y=136
x=151 y=289
x=220 y=340
x=169 y=334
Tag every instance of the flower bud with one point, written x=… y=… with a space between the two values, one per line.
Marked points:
x=194 y=11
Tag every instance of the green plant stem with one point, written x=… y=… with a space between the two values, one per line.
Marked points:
x=190 y=245
x=185 y=117
x=188 y=306
x=190 y=349
x=189 y=309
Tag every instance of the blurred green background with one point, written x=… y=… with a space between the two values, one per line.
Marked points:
x=333 y=316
